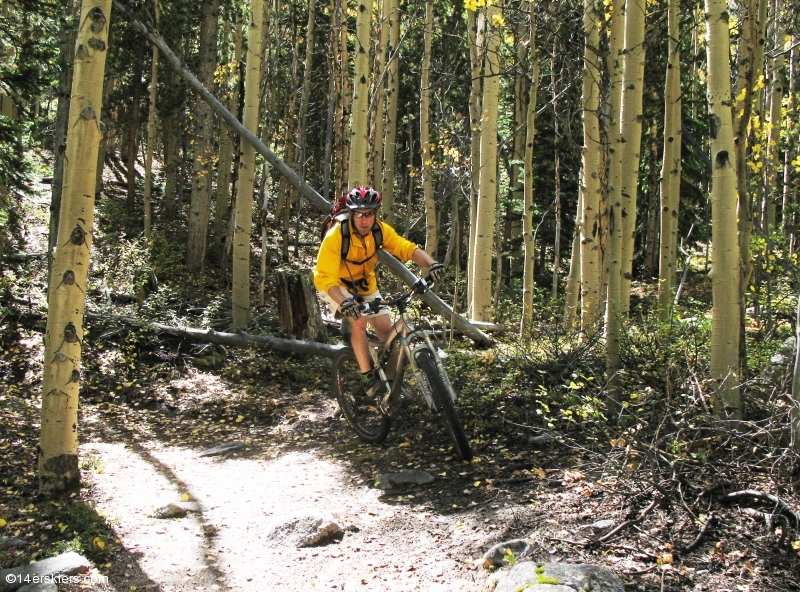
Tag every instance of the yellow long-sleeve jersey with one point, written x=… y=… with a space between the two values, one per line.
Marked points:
x=356 y=273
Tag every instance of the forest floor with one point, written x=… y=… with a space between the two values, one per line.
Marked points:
x=149 y=409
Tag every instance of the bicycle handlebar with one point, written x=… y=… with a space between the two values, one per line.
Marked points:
x=420 y=286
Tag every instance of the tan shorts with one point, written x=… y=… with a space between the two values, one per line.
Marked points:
x=368 y=298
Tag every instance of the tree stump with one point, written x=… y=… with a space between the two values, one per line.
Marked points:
x=298 y=307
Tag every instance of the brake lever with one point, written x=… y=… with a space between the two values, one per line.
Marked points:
x=420 y=286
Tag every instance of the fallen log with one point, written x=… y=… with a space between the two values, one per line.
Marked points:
x=295 y=346
x=208 y=335
x=287 y=173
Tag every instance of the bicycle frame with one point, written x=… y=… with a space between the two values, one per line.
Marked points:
x=411 y=340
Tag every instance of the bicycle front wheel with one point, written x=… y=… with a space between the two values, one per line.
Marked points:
x=444 y=404
x=361 y=412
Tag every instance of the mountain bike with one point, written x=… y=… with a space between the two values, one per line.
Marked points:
x=408 y=345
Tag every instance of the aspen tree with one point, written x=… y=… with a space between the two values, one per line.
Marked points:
x=392 y=99
x=573 y=287
x=226 y=141
x=66 y=51
x=199 y=208
x=617 y=205
x=476 y=31
x=613 y=150
x=431 y=228
x=774 y=100
x=590 y=170
x=344 y=98
x=243 y=212
x=725 y=251
x=151 y=134
x=380 y=96
x=528 y=182
x=631 y=135
x=670 y=183
x=742 y=112
x=790 y=217
x=481 y=265
x=517 y=182
x=63 y=340
x=131 y=144
x=359 y=128
x=306 y=92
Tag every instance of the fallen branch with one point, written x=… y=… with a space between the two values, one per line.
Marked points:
x=699 y=536
x=295 y=346
x=760 y=495
x=627 y=523
x=208 y=335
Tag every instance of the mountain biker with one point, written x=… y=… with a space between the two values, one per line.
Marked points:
x=344 y=283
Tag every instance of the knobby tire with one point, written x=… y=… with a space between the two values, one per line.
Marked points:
x=362 y=413
x=444 y=404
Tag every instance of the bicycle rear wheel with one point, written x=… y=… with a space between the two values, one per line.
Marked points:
x=361 y=412
x=444 y=404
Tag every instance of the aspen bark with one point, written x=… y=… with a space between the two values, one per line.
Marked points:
x=481 y=304
x=243 y=212
x=58 y=443
x=590 y=171
x=631 y=134
x=380 y=96
x=392 y=99
x=573 y=287
x=222 y=202
x=431 y=229
x=66 y=51
x=528 y=183
x=200 y=206
x=151 y=135
x=725 y=252
x=476 y=27
x=359 y=129
x=670 y=183
x=773 y=191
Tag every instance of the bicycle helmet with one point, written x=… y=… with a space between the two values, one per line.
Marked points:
x=363 y=198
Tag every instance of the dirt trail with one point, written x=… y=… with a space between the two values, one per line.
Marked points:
x=387 y=546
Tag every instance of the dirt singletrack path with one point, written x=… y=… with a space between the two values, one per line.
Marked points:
x=390 y=544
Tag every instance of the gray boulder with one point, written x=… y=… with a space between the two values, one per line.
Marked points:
x=303 y=529
x=66 y=564
x=407 y=477
x=556 y=577
x=177 y=509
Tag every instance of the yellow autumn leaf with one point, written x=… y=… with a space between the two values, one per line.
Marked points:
x=99 y=543
x=477 y=484
x=184 y=497
x=2 y=523
x=239 y=418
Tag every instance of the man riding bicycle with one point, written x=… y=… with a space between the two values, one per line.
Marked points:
x=345 y=282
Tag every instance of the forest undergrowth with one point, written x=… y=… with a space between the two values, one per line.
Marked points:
x=690 y=502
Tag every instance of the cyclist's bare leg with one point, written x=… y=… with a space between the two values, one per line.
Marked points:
x=382 y=324
x=358 y=341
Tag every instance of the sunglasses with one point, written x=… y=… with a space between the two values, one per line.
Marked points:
x=368 y=214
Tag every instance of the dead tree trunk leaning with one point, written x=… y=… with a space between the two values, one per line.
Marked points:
x=292 y=178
